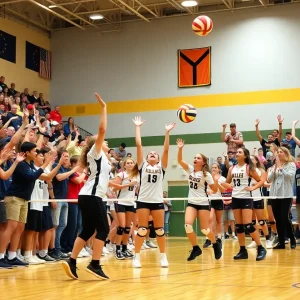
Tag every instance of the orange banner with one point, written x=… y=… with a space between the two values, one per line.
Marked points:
x=194 y=67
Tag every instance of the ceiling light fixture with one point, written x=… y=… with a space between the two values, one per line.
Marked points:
x=96 y=17
x=52 y=6
x=189 y=3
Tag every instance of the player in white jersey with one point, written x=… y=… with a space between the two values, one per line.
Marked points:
x=150 y=198
x=258 y=204
x=124 y=208
x=216 y=211
x=199 y=179
x=240 y=176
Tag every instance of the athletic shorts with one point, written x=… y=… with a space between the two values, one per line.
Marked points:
x=47 y=222
x=217 y=204
x=269 y=202
x=2 y=212
x=34 y=220
x=150 y=206
x=199 y=207
x=228 y=215
x=16 y=209
x=120 y=208
x=245 y=203
x=259 y=204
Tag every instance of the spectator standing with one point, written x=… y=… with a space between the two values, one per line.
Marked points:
x=290 y=142
x=55 y=115
x=233 y=139
x=120 y=152
x=229 y=162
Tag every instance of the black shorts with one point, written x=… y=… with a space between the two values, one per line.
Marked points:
x=150 y=206
x=269 y=202
x=245 y=203
x=120 y=208
x=34 y=220
x=2 y=212
x=259 y=204
x=199 y=207
x=217 y=204
x=47 y=222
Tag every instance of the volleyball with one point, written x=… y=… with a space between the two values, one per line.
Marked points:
x=202 y=25
x=186 y=113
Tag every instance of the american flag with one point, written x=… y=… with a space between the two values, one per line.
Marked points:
x=45 y=64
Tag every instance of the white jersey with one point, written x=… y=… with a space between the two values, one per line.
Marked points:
x=198 y=184
x=128 y=193
x=218 y=194
x=257 y=192
x=109 y=191
x=151 y=187
x=99 y=168
x=240 y=180
x=37 y=194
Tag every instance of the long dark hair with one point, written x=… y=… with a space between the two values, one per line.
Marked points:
x=83 y=157
x=71 y=126
x=205 y=167
x=259 y=165
x=248 y=160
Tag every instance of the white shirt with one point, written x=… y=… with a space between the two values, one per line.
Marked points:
x=99 y=168
x=198 y=184
x=257 y=192
x=218 y=194
x=241 y=180
x=151 y=187
x=37 y=194
x=128 y=193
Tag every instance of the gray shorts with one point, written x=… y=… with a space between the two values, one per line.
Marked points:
x=228 y=215
x=2 y=212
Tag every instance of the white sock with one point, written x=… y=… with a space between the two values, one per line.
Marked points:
x=219 y=235
x=11 y=255
x=233 y=234
x=43 y=253
x=27 y=254
x=1 y=255
x=137 y=255
x=18 y=251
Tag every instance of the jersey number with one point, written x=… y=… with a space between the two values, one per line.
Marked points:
x=40 y=185
x=236 y=182
x=131 y=188
x=152 y=178
x=193 y=185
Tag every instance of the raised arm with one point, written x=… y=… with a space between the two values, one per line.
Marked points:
x=102 y=125
x=180 y=145
x=297 y=141
x=280 y=120
x=229 y=177
x=256 y=123
x=165 y=155
x=138 y=140
x=223 y=134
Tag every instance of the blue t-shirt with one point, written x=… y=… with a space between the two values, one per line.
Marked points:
x=60 y=188
x=292 y=145
x=4 y=184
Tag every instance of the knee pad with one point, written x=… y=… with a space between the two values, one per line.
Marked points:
x=250 y=228
x=188 y=228
x=142 y=231
x=272 y=222
x=253 y=222
x=159 y=231
x=150 y=224
x=261 y=222
x=120 y=230
x=101 y=236
x=127 y=230
x=86 y=234
x=239 y=228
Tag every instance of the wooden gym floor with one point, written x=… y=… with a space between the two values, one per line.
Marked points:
x=204 y=278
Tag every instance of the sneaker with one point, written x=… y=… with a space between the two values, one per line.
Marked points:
x=298 y=241
x=63 y=255
x=84 y=253
x=54 y=255
x=226 y=236
x=89 y=250
x=96 y=271
x=105 y=251
x=4 y=265
x=219 y=241
x=119 y=255
x=252 y=245
x=41 y=261
x=20 y=257
x=194 y=253
x=15 y=262
x=163 y=260
x=130 y=247
x=46 y=258
x=207 y=243
x=127 y=254
x=234 y=237
x=269 y=244
x=261 y=254
x=30 y=260
x=136 y=262
x=241 y=255
x=70 y=269
x=286 y=241
x=145 y=245
x=109 y=247
x=276 y=240
x=150 y=244
x=217 y=250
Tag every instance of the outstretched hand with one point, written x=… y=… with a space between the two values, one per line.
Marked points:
x=20 y=157
x=295 y=122
x=138 y=121
x=99 y=99
x=180 y=143
x=256 y=123
x=170 y=126
x=280 y=118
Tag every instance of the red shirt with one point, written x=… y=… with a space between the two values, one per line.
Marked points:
x=55 y=116
x=73 y=188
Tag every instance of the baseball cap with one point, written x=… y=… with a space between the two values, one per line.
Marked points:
x=29 y=106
